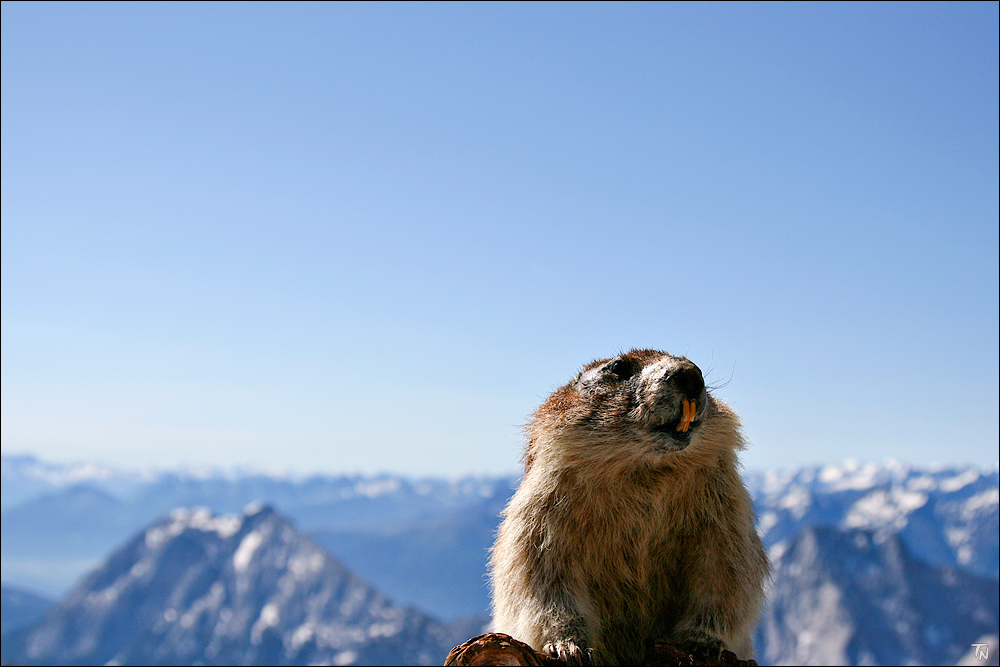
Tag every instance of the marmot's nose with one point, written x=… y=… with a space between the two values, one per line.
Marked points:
x=688 y=381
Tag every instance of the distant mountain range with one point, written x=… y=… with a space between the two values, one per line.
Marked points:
x=873 y=563
x=946 y=516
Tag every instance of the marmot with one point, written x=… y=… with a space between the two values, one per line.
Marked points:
x=631 y=523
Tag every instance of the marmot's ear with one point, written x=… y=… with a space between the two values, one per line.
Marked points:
x=622 y=368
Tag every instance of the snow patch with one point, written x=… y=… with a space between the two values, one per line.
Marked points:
x=376 y=488
x=244 y=553
x=852 y=476
x=797 y=501
x=253 y=508
x=767 y=521
x=199 y=518
x=302 y=634
x=884 y=508
x=269 y=615
x=269 y=618
x=345 y=658
x=959 y=481
x=202 y=519
x=301 y=565
x=383 y=630
x=983 y=500
x=921 y=483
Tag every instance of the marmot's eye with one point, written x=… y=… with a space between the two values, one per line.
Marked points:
x=622 y=369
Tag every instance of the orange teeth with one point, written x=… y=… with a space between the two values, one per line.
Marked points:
x=689 y=408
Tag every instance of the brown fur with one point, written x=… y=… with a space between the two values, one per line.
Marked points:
x=625 y=529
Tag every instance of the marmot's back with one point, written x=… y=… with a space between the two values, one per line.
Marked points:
x=631 y=522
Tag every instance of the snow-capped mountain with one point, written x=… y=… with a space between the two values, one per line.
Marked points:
x=238 y=589
x=857 y=597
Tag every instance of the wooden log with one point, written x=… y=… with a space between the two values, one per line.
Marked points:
x=495 y=648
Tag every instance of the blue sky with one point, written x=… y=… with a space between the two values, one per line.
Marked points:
x=374 y=237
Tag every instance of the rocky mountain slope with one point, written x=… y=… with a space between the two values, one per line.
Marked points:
x=21 y=608
x=241 y=589
x=857 y=597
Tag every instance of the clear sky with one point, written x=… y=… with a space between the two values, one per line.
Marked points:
x=331 y=238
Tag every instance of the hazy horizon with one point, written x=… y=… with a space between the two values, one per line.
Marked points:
x=237 y=469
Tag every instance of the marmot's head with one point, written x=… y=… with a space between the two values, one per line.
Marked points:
x=644 y=407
